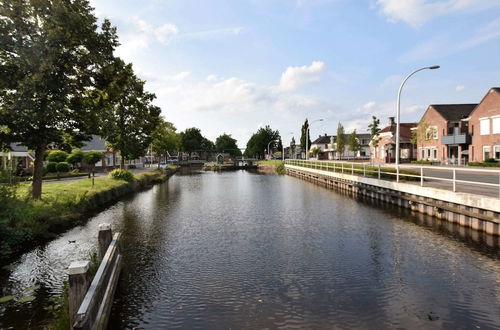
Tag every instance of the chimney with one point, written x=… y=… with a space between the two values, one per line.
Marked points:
x=319 y=136
x=391 y=121
x=325 y=134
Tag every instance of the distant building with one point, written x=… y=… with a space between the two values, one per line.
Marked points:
x=386 y=149
x=328 y=147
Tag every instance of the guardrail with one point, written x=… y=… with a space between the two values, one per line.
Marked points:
x=90 y=303
x=407 y=173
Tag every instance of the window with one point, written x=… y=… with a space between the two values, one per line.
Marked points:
x=496 y=124
x=428 y=153
x=435 y=156
x=486 y=152
x=484 y=126
x=496 y=151
x=431 y=133
x=423 y=154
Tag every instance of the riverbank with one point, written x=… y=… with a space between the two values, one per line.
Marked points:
x=272 y=167
x=25 y=222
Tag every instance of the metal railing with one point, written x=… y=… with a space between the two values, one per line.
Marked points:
x=490 y=184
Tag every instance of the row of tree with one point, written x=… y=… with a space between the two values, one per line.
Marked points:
x=60 y=82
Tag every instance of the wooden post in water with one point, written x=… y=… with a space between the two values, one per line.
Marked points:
x=79 y=283
x=105 y=237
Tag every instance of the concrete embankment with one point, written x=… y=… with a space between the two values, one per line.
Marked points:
x=468 y=210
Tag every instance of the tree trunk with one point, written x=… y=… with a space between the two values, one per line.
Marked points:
x=38 y=172
x=122 y=162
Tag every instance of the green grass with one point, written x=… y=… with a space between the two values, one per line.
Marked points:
x=23 y=220
x=270 y=162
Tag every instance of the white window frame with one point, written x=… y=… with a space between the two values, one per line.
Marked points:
x=495 y=123
x=484 y=126
x=486 y=149
x=495 y=148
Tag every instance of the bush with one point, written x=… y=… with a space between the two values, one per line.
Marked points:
x=422 y=162
x=57 y=156
x=62 y=167
x=93 y=157
x=485 y=164
x=51 y=167
x=75 y=157
x=491 y=160
x=280 y=169
x=121 y=175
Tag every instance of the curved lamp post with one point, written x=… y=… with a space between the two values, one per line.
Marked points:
x=433 y=67
x=307 y=137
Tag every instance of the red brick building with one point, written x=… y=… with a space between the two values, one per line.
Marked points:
x=442 y=133
x=386 y=149
x=484 y=127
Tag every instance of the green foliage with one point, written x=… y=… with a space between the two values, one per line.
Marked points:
x=124 y=175
x=57 y=156
x=51 y=167
x=92 y=157
x=293 y=146
x=353 y=142
x=280 y=168
x=165 y=138
x=225 y=143
x=51 y=52
x=62 y=167
x=303 y=133
x=258 y=143
x=374 y=130
x=128 y=117
x=192 y=140
x=491 y=160
x=485 y=164
x=75 y=157
x=341 y=140
x=422 y=162
x=315 y=151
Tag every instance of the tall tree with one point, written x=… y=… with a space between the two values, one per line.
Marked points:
x=51 y=51
x=225 y=143
x=191 y=140
x=128 y=117
x=304 y=130
x=292 y=146
x=354 y=142
x=341 y=140
x=374 y=130
x=165 y=139
x=258 y=143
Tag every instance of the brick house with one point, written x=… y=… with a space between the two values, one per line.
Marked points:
x=442 y=133
x=484 y=127
x=324 y=144
x=385 y=151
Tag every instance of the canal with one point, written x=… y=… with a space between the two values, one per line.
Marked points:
x=245 y=250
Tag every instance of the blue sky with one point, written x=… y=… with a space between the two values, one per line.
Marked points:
x=235 y=65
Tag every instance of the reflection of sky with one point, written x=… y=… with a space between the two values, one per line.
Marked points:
x=238 y=248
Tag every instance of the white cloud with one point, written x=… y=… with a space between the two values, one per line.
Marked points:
x=297 y=76
x=459 y=88
x=418 y=12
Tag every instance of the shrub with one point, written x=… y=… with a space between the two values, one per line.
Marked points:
x=75 y=157
x=92 y=157
x=490 y=160
x=57 y=156
x=62 y=167
x=51 y=167
x=485 y=164
x=422 y=162
x=280 y=169
x=119 y=174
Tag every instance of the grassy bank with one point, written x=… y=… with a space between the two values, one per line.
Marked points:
x=64 y=204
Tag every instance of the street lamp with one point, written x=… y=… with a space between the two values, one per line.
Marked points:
x=307 y=137
x=268 y=146
x=433 y=67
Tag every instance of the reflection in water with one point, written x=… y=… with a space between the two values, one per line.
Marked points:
x=242 y=250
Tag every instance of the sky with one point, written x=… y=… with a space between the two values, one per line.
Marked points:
x=232 y=66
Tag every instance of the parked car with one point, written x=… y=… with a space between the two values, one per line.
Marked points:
x=163 y=165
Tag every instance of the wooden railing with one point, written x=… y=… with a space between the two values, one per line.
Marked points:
x=90 y=303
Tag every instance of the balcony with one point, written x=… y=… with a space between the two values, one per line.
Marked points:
x=460 y=138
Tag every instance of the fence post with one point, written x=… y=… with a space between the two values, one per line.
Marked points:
x=79 y=283
x=334 y=167
x=352 y=168
x=397 y=173
x=364 y=169
x=379 y=171
x=421 y=176
x=342 y=167
x=454 y=182
x=104 y=239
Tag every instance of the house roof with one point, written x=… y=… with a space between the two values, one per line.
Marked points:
x=96 y=143
x=404 y=129
x=324 y=139
x=17 y=147
x=454 y=112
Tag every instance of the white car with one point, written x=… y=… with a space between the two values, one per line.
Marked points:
x=163 y=165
